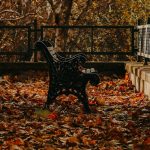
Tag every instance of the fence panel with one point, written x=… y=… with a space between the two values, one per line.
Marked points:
x=94 y=40
x=144 y=40
x=97 y=42
x=15 y=43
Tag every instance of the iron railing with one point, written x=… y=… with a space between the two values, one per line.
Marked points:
x=144 y=40
x=20 y=51
x=90 y=40
x=92 y=28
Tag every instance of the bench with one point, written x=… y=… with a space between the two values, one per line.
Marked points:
x=66 y=75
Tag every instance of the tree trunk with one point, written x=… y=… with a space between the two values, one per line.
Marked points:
x=62 y=19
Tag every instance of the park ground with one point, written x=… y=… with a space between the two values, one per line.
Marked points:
x=120 y=117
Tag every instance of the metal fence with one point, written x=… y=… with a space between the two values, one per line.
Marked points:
x=17 y=42
x=144 y=40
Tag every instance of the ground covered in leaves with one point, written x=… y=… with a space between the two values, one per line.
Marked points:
x=120 y=117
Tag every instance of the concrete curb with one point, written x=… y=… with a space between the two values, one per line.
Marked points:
x=140 y=76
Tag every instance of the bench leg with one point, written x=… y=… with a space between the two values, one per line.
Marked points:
x=81 y=94
x=85 y=103
x=50 y=98
x=84 y=99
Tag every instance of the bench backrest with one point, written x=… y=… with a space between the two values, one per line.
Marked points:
x=48 y=53
x=64 y=69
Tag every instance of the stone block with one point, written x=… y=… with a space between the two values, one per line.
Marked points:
x=140 y=76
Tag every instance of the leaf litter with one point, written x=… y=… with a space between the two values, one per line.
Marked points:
x=120 y=117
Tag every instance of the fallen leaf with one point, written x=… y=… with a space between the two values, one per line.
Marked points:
x=52 y=116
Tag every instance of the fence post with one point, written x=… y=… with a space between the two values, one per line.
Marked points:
x=35 y=39
x=29 y=53
x=92 y=40
x=139 y=22
x=147 y=42
x=148 y=37
x=134 y=50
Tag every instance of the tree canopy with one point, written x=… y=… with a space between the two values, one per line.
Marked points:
x=74 y=12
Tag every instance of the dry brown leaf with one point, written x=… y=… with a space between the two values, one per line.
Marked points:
x=15 y=147
x=73 y=140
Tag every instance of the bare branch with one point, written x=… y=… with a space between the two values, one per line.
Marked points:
x=68 y=12
x=52 y=5
x=9 y=11
x=18 y=18
x=88 y=4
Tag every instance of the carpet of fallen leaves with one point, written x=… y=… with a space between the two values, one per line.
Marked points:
x=120 y=117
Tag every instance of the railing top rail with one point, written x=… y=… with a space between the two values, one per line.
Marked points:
x=99 y=53
x=12 y=53
x=11 y=27
x=92 y=48
x=88 y=26
x=143 y=26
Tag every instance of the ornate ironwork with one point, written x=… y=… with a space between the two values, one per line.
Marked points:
x=66 y=75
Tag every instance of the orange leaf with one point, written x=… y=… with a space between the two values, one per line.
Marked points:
x=85 y=140
x=122 y=88
x=100 y=100
x=18 y=141
x=92 y=142
x=73 y=139
x=99 y=121
x=147 y=141
x=91 y=102
x=52 y=116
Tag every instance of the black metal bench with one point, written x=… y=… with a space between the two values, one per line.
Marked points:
x=66 y=76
